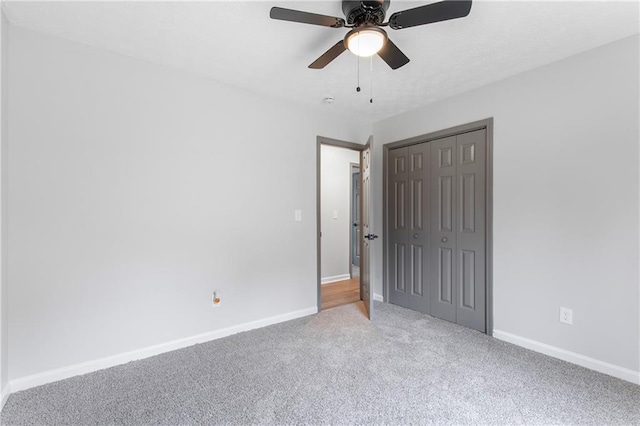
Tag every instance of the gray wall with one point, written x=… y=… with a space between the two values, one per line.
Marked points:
x=4 y=128
x=136 y=190
x=565 y=198
x=335 y=196
x=143 y=189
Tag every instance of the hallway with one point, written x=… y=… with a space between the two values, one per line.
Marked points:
x=340 y=293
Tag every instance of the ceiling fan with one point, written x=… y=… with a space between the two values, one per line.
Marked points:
x=366 y=18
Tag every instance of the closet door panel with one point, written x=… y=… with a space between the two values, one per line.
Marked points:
x=398 y=225
x=470 y=224
x=442 y=238
x=418 y=207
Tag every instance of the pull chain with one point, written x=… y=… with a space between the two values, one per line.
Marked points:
x=358 y=60
x=371 y=99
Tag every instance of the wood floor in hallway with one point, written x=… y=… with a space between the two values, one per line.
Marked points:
x=340 y=293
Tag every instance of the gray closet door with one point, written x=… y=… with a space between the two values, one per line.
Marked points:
x=470 y=244
x=436 y=225
x=408 y=215
x=458 y=229
x=419 y=194
x=443 y=231
x=397 y=226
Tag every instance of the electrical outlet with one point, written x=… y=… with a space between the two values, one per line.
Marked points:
x=566 y=315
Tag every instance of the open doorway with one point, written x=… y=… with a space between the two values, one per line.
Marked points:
x=339 y=223
x=354 y=214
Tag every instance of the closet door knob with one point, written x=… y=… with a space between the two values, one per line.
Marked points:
x=444 y=239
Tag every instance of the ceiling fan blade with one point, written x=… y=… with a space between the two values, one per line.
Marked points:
x=305 y=17
x=328 y=56
x=428 y=14
x=392 y=55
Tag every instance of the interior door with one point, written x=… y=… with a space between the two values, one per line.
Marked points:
x=458 y=229
x=470 y=223
x=436 y=236
x=418 y=288
x=367 y=237
x=408 y=207
x=443 y=229
x=397 y=226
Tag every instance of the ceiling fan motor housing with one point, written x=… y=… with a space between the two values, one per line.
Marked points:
x=370 y=12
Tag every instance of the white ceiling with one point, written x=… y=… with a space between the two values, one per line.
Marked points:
x=235 y=42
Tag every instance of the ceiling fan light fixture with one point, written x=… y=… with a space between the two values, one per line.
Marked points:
x=365 y=41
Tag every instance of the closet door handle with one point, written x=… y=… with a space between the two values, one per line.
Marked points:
x=416 y=236
x=444 y=239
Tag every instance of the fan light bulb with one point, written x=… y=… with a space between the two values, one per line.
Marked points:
x=365 y=41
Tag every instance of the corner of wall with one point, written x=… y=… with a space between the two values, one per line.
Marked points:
x=4 y=395
x=637 y=40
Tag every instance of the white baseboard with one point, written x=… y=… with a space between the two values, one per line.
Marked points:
x=378 y=297
x=4 y=394
x=572 y=357
x=100 y=364
x=335 y=278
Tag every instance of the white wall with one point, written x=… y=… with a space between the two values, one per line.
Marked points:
x=335 y=195
x=136 y=190
x=565 y=198
x=4 y=307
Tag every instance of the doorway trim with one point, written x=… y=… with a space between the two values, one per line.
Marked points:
x=321 y=140
x=352 y=166
x=486 y=124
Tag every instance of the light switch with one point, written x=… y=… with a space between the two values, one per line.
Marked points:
x=297 y=215
x=335 y=214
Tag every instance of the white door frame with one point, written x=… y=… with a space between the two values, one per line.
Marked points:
x=321 y=140
x=352 y=167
